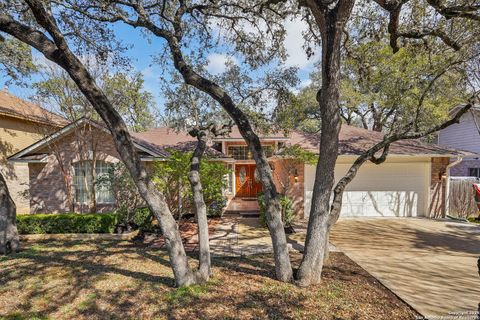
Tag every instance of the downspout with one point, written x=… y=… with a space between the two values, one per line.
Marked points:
x=447 y=183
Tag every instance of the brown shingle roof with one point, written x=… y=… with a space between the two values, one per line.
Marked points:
x=13 y=106
x=354 y=141
x=160 y=140
x=235 y=134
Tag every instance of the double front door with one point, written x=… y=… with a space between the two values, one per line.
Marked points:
x=246 y=181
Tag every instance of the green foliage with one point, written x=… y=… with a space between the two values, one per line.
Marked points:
x=67 y=223
x=212 y=175
x=394 y=89
x=298 y=153
x=15 y=59
x=171 y=177
x=143 y=218
x=186 y=294
x=124 y=189
x=125 y=92
x=131 y=210
x=474 y=219
x=300 y=112
x=286 y=205
x=382 y=90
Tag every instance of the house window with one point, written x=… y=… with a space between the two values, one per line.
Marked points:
x=83 y=183
x=244 y=153
x=474 y=172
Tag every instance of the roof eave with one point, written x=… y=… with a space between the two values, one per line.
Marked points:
x=261 y=138
x=419 y=155
x=52 y=123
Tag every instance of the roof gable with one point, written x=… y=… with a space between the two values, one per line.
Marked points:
x=153 y=144
x=30 y=151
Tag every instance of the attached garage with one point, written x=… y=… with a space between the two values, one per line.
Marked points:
x=400 y=187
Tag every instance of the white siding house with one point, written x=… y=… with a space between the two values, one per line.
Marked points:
x=464 y=136
x=397 y=188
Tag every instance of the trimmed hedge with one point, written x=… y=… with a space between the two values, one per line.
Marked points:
x=67 y=223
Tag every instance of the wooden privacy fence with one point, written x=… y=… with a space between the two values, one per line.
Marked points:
x=461 y=197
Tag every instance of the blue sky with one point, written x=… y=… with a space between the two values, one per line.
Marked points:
x=141 y=52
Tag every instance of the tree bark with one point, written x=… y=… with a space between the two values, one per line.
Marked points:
x=331 y=23
x=283 y=268
x=204 y=270
x=57 y=51
x=9 y=240
x=173 y=37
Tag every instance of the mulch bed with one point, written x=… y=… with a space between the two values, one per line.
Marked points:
x=188 y=231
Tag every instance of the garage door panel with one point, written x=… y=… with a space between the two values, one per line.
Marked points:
x=390 y=189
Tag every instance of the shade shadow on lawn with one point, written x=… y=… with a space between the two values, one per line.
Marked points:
x=118 y=280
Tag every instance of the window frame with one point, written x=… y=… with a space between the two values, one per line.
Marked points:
x=101 y=168
x=476 y=170
x=245 y=151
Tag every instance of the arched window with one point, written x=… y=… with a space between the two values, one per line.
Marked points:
x=83 y=179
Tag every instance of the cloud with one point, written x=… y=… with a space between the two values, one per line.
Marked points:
x=305 y=83
x=217 y=62
x=294 y=45
x=148 y=74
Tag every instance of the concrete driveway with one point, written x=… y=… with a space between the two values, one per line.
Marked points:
x=432 y=265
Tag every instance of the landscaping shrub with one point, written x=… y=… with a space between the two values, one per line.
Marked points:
x=171 y=178
x=286 y=205
x=474 y=219
x=67 y=223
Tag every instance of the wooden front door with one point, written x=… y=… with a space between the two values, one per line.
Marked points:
x=246 y=183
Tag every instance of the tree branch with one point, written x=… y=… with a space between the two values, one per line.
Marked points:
x=467 y=12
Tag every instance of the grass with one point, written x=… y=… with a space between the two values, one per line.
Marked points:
x=474 y=219
x=118 y=280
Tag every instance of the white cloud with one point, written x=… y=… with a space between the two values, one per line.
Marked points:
x=217 y=62
x=294 y=45
x=148 y=73
x=305 y=83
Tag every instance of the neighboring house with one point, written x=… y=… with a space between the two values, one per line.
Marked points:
x=408 y=184
x=21 y=124
x=464 y=135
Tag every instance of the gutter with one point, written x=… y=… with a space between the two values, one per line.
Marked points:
x=447 y=183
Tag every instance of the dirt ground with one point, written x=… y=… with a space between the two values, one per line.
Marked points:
x=121 y=280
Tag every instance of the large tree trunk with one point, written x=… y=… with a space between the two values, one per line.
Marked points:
x=283 y=266
x=204 y=270
x=58 y=52
x=9 y=241
x=331 y=23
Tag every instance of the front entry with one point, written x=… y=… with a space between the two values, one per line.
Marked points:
x=246 y=181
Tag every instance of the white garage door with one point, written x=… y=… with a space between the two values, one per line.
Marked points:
x=386 y=190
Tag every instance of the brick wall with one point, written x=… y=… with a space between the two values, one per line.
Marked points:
x=437 y=187
x=17 y=182
x=284 y=173
x=48 y=193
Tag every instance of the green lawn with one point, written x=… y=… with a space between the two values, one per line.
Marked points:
x=118 y=280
